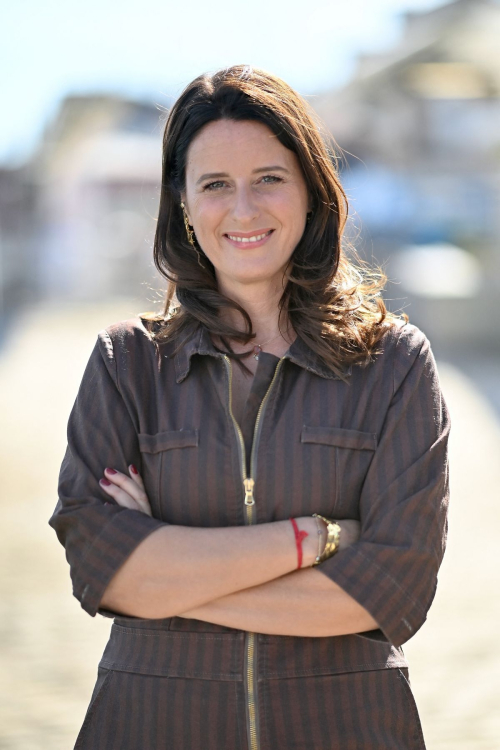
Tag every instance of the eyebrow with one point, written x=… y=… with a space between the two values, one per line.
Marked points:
x=213 y=175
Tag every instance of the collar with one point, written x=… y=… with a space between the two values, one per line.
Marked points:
x=299 y=353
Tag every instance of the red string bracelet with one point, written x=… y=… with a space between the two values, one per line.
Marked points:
x=299 y=536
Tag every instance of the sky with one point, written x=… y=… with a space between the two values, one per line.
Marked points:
x=151 y=49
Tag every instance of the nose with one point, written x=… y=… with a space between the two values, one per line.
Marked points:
x=244 y=209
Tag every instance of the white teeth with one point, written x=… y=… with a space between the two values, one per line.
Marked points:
x=250 y=239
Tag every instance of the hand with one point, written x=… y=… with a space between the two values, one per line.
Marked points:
x=128 y=492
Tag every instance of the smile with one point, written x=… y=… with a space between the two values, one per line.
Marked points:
x=253 y=239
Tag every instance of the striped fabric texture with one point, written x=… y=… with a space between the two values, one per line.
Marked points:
x=373 y=448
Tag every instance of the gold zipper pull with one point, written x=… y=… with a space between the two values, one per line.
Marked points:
x=249 y=499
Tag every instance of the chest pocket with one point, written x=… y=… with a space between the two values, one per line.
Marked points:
x=167 y=462
x=342 y=457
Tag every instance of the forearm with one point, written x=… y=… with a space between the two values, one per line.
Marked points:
x=301 y=603
x=178 y=568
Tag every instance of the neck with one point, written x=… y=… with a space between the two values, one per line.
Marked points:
x=261 y=303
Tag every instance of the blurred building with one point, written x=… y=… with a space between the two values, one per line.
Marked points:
x=420 y=125
x=18 y=284
x=79 y=217
x=98 y=170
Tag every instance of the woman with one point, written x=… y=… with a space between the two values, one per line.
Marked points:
x=202 y=441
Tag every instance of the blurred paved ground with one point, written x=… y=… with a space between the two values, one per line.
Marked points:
x=50 y=648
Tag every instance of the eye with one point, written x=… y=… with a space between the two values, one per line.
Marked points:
x=272 y=177
x=213 y=185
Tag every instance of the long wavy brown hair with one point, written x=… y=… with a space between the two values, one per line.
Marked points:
x=332 y=303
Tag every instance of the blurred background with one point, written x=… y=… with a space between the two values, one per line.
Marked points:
x=410 y=90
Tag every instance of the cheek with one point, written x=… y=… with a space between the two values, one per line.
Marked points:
x=208 y=223
x=292 y=218
x=290 y=208
x=207 y=212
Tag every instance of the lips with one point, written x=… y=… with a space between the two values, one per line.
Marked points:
x=249 y=238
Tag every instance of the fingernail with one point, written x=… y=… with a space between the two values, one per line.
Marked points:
x=133 y=469
x=104 y=482
x=110 y=471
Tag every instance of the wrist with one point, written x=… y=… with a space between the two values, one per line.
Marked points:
x=321 y=537
x=313 y=541
x=333 y=532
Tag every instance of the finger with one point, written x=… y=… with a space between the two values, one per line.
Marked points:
x=143 y=499
x=119 y=495
x=134 y=473
x=131 y=487
x=125 y=483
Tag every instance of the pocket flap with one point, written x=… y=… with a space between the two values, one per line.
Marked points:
x=164 y=441
x=340 y=437
x=156 y=651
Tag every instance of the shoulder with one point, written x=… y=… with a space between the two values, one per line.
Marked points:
x=128 y=347
x=407 y=340
x=404 y=348
x=403 y=341
x=401 y=335
x=125 y=336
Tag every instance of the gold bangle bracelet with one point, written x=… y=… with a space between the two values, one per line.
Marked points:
x=332 y=539
x=320 y=532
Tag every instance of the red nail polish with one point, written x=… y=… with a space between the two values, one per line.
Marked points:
x=133 y=469
x=105 y=482
x=110 y=471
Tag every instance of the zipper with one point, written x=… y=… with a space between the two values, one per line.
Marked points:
x=248 y=484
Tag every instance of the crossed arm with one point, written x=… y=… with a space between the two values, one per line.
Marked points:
x=269 y=596
x=302 y=603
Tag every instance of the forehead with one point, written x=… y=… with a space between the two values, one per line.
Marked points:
x=225 y=143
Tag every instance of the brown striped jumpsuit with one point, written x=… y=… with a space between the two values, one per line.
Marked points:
x=373 y=448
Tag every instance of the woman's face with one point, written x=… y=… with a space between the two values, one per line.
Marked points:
x=243 y=184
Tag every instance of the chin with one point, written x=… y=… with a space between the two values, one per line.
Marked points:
x=261 y=278
x=255 y=275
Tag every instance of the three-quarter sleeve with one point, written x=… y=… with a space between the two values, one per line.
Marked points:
x=392 y=569
x=97 y=537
